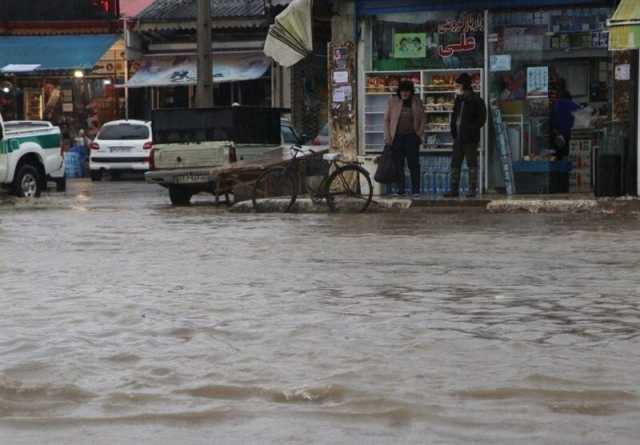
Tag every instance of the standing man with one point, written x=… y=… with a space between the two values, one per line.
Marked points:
x=469 y=116
x=403 y=130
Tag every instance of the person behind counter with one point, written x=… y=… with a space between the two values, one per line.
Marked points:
x=562 y=121
x=403 y=130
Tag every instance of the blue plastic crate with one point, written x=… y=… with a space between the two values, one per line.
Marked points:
x=535 y=177
x=542 y=166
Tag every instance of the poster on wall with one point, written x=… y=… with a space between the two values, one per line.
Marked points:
x=410 y=45
x=623 y=72
x=500 y=62
x=434 y=40
x=538 y=81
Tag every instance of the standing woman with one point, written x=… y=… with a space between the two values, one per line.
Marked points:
x=403 y=130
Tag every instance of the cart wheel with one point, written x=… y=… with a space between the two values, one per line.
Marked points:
x=277 y=183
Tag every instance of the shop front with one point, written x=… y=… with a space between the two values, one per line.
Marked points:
x=542 y=67
x=67 y=80
x=242 y=78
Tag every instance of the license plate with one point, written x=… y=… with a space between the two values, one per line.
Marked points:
x=120 y=149
x=189 y=179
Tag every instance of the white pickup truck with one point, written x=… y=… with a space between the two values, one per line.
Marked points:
x=30 y=155
x=189 y=145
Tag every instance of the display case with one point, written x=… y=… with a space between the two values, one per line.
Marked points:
x=436 y=88
x=379 y=87
x=439 y=95
x=33 y=104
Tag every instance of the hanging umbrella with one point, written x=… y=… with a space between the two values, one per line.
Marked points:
x=290 y=38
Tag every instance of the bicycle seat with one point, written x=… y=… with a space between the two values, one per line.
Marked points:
x=331 y=156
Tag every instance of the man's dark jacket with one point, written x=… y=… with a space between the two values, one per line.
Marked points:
x=474 y=116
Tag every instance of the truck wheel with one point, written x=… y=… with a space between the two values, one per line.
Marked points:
x=28 y=183
x=179 y=196
x=61 y=184
x=96 y=175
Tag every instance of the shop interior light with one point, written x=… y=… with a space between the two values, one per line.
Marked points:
x=78 y=74
x=107 y=81
x=6 y=90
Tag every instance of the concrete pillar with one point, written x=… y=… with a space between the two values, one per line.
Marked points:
x=343 y=118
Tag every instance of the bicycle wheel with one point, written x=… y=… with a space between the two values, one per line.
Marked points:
x=277 y=183
x=349 y=188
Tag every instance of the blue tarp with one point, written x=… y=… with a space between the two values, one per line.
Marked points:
x=376 y=7
x=53 y=53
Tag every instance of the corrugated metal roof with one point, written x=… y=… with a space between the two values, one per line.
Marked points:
x=187 y=9
x=178 y=25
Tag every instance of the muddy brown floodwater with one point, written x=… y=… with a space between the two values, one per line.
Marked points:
x=125 y=321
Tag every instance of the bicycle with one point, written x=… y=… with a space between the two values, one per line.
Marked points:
x=345 y=187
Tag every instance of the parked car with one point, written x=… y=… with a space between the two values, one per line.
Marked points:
x=323 y=138
x=120 y=146
x=30 y=155
x=289 y=134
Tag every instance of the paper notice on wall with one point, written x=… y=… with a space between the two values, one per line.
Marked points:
x=500 y=62
x=341 y=77
x=343 y=94
x=623 y=72
x=538 y=81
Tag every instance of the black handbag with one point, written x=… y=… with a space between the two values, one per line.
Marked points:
x=387 y=171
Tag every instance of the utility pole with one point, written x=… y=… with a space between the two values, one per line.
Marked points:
x=204 y=90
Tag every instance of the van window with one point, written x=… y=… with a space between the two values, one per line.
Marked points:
x=122 y=132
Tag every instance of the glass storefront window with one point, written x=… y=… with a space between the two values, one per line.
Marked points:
x=428 y=40
x=544 y=65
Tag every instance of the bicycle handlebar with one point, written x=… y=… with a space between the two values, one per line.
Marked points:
x=298 y=149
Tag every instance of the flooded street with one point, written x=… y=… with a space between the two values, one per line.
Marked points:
x=126 y=321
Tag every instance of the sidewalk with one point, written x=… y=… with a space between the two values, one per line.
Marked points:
x=556 y=203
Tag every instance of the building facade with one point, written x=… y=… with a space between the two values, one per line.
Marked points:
x=60 y=61
x=525 y=58
x=162 y=40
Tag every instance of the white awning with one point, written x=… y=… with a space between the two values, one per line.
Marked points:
x=290 y=39
x=18 y=68
x=161 y=71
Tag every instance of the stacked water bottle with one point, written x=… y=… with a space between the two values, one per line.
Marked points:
x=436 y=175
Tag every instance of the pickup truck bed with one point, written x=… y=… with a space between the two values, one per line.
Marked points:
x=192 y=152
x=205 y=177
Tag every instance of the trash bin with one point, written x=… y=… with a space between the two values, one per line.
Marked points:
x=609 y=175
x=370 y=164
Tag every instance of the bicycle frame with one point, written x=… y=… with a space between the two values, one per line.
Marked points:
x=296 y=161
